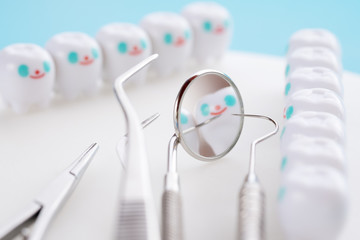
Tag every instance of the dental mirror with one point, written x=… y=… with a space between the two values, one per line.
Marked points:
x=207 y=129
x=203 y=115
x=208 y=119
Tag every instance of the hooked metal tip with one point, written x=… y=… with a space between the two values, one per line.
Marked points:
x=123 y=141
x=149 y=120
x=81 y=163
x=251 y=177
x=129 y=73
x=125 y=76
x=145 y=123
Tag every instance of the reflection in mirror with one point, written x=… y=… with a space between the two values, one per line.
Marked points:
x=207 y=127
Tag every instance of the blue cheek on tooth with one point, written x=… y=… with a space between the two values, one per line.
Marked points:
x=283 y=163
x=143 y=44
x=95 y=53
x=282 y=132
x=205 y=109
x=287 y=70
x=207 y=26
x=23 y=70
x=226 y=23
x=46 y=66
x=281 y=193
x=183 y=119
x=289 y=112
x=287 y=88
x=122 y=47
x=73 y=57
x=187 y=34
x=230 y=100
x=168 y=38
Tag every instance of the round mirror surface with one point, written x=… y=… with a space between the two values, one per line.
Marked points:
x=204 y=115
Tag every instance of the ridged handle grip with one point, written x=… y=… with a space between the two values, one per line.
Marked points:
x=251 y=212
x=172 y=228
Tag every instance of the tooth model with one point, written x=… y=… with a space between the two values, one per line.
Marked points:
x=313 y=203
x=313 y=77
x=123 y=45
x=78 y=63
x=171 y=38
x=313 y=37
x=212 y=30
x=314 y=99
x=26 y=76
x=313 y=57
x=315 y=125
x=219 y=106
x=313 y=151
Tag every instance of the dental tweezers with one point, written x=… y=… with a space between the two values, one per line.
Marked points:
x=137 y=219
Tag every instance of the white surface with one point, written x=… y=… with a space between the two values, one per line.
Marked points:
x=36 y=147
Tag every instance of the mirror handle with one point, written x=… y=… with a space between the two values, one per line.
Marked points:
x=172 y=228
x=251 y=222
x=172 y=224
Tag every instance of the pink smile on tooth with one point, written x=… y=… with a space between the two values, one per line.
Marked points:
x=37 y=75
x=87 y=61
x=218 y=113
x=180 y=41
x=219 y=30
x=135 y=51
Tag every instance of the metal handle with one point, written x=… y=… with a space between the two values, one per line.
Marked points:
x=172 y=216
x=172 y=224
x=251 y=212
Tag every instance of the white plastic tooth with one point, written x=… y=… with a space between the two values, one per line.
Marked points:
x=219 y=133
x=171 y=38
x=313 y=203
x=191 y=138
x=313 y=125
x=313 y=77
x=315 y=99
x=78 y=60
x=313 y=37
x=27 y=75
x=123 y=46
x=313 y=151
x=313 y=57
x=212 y=28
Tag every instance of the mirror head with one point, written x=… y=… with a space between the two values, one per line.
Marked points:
x=203 y=115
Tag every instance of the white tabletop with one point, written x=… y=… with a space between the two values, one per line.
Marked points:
x=37 y=146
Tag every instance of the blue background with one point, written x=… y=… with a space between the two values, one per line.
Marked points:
x=260 y=26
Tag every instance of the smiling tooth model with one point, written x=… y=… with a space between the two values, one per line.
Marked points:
x=224 y=103
x=78 y=63
x=123 y=45
x=26 y=76
x=171 y=38
x=212 y=29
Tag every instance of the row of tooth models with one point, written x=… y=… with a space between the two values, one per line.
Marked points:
x=313 y=193
x=75 y=63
